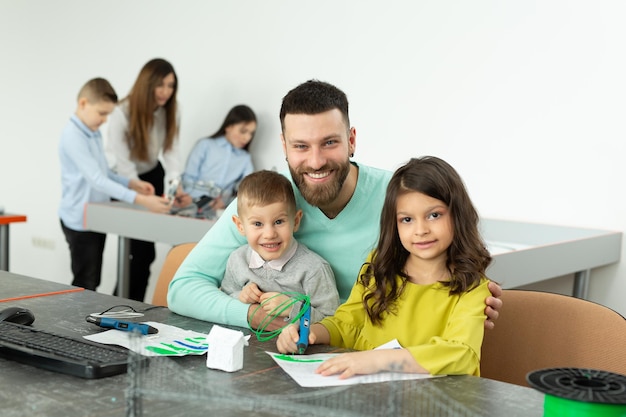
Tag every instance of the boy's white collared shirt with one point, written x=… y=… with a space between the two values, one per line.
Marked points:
x=256 y=261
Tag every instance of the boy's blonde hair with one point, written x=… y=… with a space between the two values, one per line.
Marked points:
x=265 y=187
x=98 y=89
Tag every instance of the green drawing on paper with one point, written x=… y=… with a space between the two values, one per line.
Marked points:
x=173 y=349
x=161 y=351
x=292 y=358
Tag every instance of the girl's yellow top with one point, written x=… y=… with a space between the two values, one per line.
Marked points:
x=443 y=332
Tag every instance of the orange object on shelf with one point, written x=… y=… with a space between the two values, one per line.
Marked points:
x=11 y=218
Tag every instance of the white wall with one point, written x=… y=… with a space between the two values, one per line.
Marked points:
x=525 y=98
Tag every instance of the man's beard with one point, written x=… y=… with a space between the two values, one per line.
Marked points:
x=320 y=195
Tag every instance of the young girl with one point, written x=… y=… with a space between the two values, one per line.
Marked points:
x=223 y=158
x=423 y=285
x=144 y=125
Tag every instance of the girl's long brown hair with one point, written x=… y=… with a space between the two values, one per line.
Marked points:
x=468 y=256
x=141 y=106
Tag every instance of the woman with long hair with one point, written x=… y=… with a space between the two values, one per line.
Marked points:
x=143 y=130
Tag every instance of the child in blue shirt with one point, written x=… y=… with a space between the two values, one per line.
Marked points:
x=86 y=178
x=221 y=160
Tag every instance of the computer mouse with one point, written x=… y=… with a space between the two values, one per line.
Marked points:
x=17 y=315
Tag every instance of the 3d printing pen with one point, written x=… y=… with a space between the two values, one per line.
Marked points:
x=305 y=324
x=127 y=326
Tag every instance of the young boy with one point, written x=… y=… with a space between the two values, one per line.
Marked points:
x=273 y=261
x=86 y=178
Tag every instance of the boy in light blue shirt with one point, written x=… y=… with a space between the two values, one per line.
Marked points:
x=86 y=178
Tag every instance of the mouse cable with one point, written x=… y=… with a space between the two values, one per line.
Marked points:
x=123 y=311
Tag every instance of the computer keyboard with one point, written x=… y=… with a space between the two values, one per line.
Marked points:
x=43 y=349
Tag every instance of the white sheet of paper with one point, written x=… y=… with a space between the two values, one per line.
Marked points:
x=302 y=369
x=392 y=344
x=169 y=341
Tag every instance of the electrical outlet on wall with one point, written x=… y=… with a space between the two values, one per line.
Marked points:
x=41 y=242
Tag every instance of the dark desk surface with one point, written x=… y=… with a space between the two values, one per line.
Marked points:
x=15 y=286
x=186 y=387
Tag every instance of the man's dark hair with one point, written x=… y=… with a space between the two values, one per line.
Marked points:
x=314 y=97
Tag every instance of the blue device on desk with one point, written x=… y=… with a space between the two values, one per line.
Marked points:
x=127 y=326
x=305 y=327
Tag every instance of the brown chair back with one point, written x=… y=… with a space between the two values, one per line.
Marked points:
x=539 y=330
x=174 y=258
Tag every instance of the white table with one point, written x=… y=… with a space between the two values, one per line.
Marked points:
x=130 y=221
x=523 y=253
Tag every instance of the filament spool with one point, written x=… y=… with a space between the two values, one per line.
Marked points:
x=579 y=392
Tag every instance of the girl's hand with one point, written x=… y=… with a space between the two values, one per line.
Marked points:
x=154 y=203
x=353 y=363
x=370 y=362
x=274 y=302
x=182 y=199
x=142 y=187
x=288 y=339
x=250 y=294
x=217 y=203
